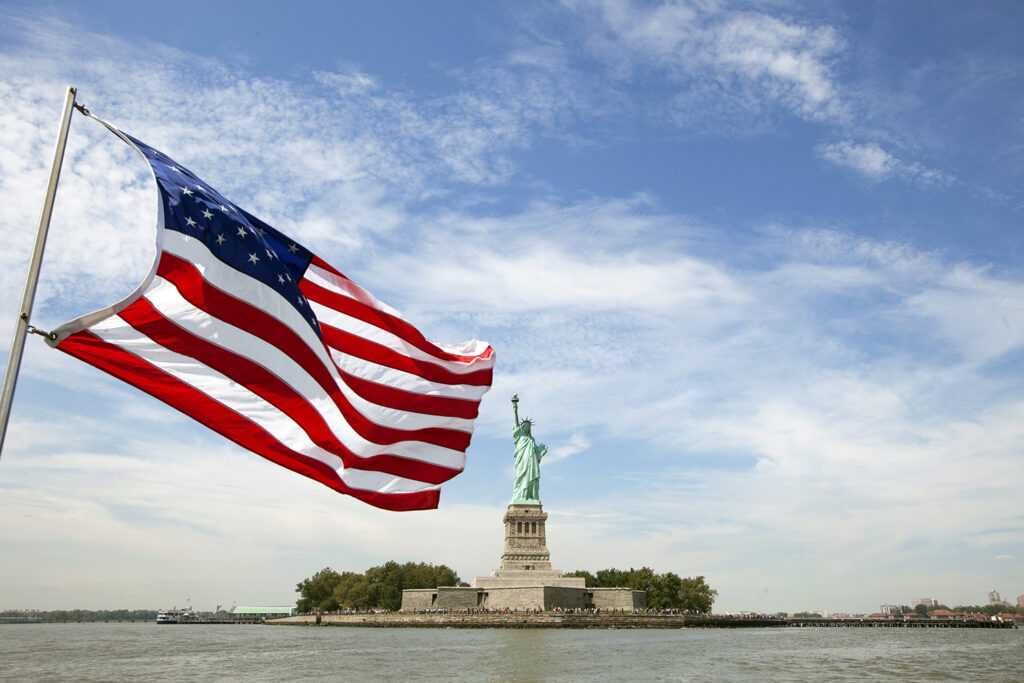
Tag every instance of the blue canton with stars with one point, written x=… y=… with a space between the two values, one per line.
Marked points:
x=232 y=235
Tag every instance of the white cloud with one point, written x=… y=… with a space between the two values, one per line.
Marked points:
x=791 y=60
x=736 y=72
x=209 y=513
x=982 y=316
x=869 y=160
x=576 y=444
x=545 y=276
x=352 y=82
x=774 y=61
x=876 y=164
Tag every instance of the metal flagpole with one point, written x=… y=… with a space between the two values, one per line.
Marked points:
x=22 y=326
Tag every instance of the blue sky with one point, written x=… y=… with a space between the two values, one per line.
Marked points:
x=754 y=268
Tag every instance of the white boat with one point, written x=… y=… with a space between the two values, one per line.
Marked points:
x=172 y=616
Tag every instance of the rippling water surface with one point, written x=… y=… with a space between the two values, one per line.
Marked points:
x=129 y=652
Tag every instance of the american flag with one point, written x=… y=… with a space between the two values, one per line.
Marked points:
x=253 y=335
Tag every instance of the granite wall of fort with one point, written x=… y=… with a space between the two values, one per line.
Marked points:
x=544 y=598
x=618 y=598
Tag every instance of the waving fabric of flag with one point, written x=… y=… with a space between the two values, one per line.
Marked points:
x=254 y=336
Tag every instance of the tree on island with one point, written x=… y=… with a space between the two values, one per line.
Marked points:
x=378 y=588
x=989 y=609
x=664 y=591
x=318 y=591
x=697 y=595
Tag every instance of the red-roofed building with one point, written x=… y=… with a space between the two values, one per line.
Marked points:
x=945 y=615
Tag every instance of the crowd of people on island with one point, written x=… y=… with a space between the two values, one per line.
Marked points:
x=594 y=611
x=477 y=610
x=344 y=611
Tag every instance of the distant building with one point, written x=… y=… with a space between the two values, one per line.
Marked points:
x=927 y=602
x=1020 y=601
x=890 y=609
x=246 y=612
x=993 y=596
x=945 y=615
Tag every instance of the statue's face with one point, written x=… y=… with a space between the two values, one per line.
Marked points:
x=526 y=427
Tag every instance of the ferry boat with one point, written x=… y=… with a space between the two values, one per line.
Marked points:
x=172 y=616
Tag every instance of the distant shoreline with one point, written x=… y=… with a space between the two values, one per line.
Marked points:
x=604 y=621
x=551 y=620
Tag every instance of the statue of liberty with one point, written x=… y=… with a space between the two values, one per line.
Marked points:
x=526 y=490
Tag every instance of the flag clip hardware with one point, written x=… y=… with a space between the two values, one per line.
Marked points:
x=32 y=329
x=81 y=108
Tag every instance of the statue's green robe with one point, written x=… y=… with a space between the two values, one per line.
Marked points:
x=528 y=455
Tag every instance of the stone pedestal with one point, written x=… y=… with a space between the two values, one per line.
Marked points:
x=526 y=561
x=526 y=543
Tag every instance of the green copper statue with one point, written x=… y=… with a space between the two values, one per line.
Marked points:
x=528 y=455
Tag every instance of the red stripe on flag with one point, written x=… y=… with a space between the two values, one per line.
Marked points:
x=247 y=434
x=357 y=346
x=385 y=321
x=384 y=395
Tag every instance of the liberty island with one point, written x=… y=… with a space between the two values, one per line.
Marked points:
x=525 y=580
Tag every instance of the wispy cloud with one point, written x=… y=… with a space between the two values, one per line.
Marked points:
x=874 y=163
x=869 y=160
x=576 y=444
x=789 y=61
x=764 y=61
x=738 y=72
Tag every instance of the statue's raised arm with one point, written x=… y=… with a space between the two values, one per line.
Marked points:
x=515 y=407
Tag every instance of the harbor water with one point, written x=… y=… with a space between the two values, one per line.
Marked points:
x=141 y=651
